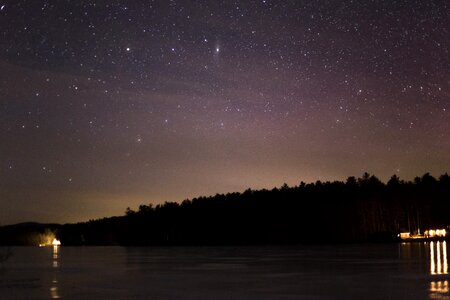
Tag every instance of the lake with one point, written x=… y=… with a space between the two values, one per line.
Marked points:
x=380 y=271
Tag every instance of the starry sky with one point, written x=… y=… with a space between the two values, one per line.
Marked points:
x=111 y=104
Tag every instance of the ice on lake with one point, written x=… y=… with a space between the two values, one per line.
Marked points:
x=388 y=271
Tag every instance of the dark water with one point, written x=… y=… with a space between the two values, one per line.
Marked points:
x=394 y=271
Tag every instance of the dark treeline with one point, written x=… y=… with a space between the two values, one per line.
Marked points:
x=358 y=210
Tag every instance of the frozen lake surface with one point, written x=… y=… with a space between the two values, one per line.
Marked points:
x=392 y=271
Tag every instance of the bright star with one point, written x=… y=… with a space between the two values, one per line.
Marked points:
x=2 y=7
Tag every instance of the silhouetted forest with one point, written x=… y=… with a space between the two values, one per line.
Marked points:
x=357 y=210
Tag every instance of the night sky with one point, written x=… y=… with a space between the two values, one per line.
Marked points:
x=110 y=104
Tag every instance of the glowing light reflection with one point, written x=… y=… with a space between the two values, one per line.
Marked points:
x=444 y=255
x=438 y=258
x=438 y=255
x=54 y=291
x=439 y=289
x=432 y=265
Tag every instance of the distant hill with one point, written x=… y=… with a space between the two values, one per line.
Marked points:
x=357 y=210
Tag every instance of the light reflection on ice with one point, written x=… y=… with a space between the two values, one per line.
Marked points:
x=439 y=289
x=438 y=258
x=54 y=291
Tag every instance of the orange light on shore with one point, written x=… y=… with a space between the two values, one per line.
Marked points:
x=441 y=232
x=404 y=235
x=56 y=242
x=431 y=233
